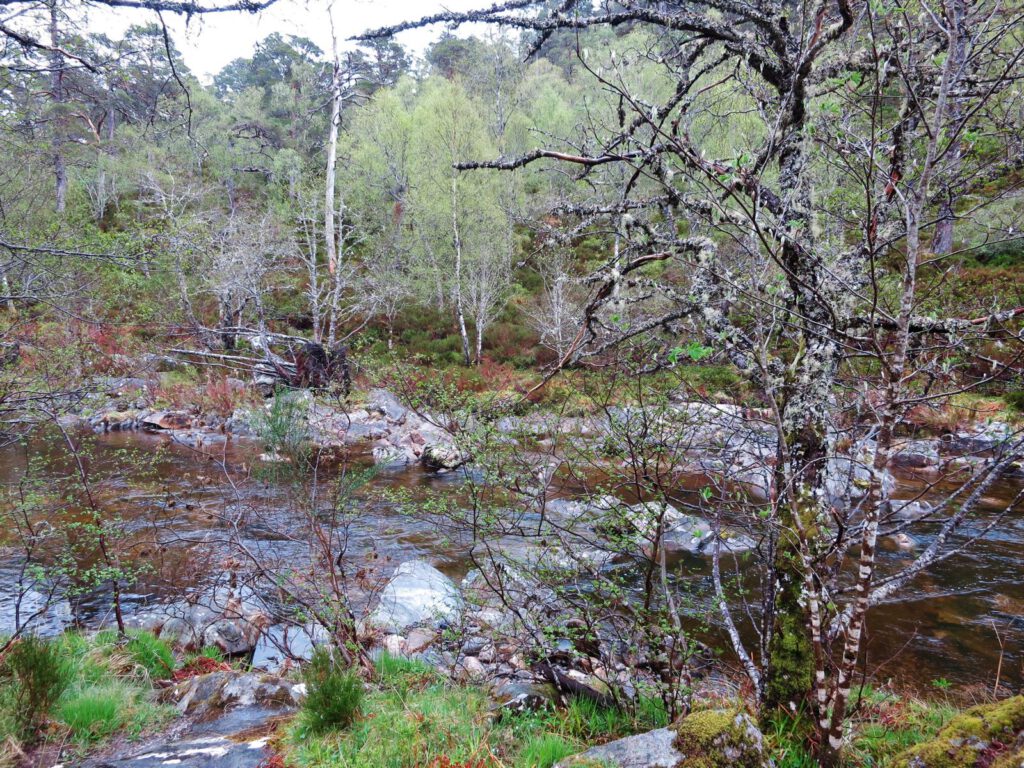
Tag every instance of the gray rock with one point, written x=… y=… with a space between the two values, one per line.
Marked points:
x=387 y=456
x=384 y=402
x=441 y=456
x=910 y=510
x=419 y=639
x=653 y=749
x=696 y=537
x=417 y=594
x=916 y=454
x=217 y=691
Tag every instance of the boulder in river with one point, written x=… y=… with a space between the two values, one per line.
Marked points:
x=417 y=594
x=442 y=456
x=158 y=420
x=695 y=536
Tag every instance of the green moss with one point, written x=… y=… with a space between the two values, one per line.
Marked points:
x=792 y=657
x=970 y=738
x=715 y=737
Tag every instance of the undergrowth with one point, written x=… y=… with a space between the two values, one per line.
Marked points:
x=414 y=717
x=79 y=690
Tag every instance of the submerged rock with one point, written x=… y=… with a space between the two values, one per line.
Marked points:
x=417 y=593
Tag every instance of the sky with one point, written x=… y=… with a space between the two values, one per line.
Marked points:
x=210 y=42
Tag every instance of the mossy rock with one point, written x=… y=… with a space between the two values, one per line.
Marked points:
x=986 y=736
x=716 y=738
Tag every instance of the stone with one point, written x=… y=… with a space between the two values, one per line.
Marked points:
x=229 y=637
x=166 y=420
x=916 y=454
x=419 y=639
x=216 y=691
x=393 y=645
x=694 y=536
x=520 y=696
x=385 y=403
x=472 y=670
x=233 y=716
x=654 y=749
x=442 y=456
x=387 y=456
x=716 y=737
x=417 y=594
x=910 y=510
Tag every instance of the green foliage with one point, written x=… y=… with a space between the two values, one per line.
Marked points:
x=94 y=712
x=283 y=425
x=36 y=674
x=1015 y=399
x=145 y=649
x=334 y=694
x=400 y=672
x=544 y=751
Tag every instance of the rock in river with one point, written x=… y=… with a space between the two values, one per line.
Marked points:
x=417 y=593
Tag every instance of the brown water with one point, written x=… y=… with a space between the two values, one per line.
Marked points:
x=179 y=504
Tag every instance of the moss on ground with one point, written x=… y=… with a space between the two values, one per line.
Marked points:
x=719 y=737
x=986 y=736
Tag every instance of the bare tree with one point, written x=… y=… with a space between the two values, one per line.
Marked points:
x=787 y=173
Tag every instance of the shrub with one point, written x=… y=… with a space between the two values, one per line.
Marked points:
x=334 y=693
x=283 y=425
x=1015 y=400
x=40 y=675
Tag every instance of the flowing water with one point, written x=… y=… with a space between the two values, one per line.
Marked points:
x=178 y=505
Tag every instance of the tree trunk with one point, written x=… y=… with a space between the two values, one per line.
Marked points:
x=942 y=241
x=460 y=315
x=332 y=158
x=57 y=96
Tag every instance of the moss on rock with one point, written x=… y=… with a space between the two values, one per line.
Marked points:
x=989 y=736
x=713 y=738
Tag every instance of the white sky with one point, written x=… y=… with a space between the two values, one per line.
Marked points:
x=212 y=41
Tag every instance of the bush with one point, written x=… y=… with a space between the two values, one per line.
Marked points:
x=334 y=693
x=1015 y=400
x=39 y=675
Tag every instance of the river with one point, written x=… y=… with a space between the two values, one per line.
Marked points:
x=953 y=623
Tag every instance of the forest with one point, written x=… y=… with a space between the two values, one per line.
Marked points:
x=624 y=383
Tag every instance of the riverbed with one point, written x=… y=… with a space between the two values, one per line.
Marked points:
x=178 y=504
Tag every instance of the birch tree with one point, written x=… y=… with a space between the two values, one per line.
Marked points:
x=789 y=173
